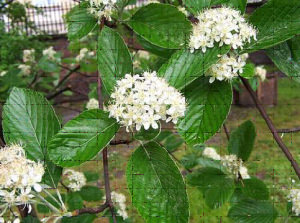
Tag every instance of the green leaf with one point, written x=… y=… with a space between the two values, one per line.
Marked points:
x=80 y=22
x=156 y=185
x=216 y=187
x=114 y=60
x=84 y=218
x=147 y=135
x=195 y=6
x=184 y=67
x=159 y=51
x=255 y=189
x=74 y=201
x=48 y=65
x=91 y=193
x=251 y=211
x=91 y=176
x=294 y=45
x=155 y=23
x=242 y=140
x=248 y=70
x=82 y=138
x=29 y=119
x=30 y=219
x=173 y=142
x=276 y=22
x=282 y=56
x=208 y=107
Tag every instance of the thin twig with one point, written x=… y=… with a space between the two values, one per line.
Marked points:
x=63 y=80
x=57 y=93
x=120 y=142
x=90 y=210
x=272 y=128
x=226 y=132
x=296 y=129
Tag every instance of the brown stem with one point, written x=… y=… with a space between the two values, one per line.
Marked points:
x=63 y=80
x=90 y=210
x=271 y=126
x=57 y=93
x=226 y=132
x=119 y=142
x=296 y=129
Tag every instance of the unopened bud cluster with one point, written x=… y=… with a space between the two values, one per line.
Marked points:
x=74 y=180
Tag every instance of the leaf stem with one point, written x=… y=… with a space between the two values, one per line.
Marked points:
x=271 y=126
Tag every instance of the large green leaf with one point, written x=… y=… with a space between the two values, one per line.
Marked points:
x=285 y=58
x=276 y=22
x=74 y=201
x=29 y=119
x=80 y=22
x=208 y=107
x=156 y=185
x=30 y=219
x=242 y=140
x=215 y=185
x=159 y=51
x=254 y=188
x=162 y=25
x=184 y=67
x=82 y=138
x=195 y=6
x=114 y=59
x=251 y=211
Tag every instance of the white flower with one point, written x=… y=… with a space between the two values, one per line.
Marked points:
x=142 y=100
x=50 y=53
x=120 y=203
x=2 y=73
x=224 y=26
x=17 y=220
x=75 y=180
x=25 y=69
x=84 y=52
x=211 y=153
x=92 y=104
x=261 y=72
x=235 y=166
x=294 y=197
x=18 y=175
x=28 y=55
x=102 y=8
x=228 y=67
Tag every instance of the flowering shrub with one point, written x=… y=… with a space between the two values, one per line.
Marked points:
x=188 y=86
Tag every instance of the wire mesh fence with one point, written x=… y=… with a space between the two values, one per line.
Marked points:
x=48 y=18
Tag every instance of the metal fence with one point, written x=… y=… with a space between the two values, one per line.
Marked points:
x=48 y=18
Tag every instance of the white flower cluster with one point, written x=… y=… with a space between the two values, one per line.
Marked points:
x=92 y=104
x=228 y=67
x=294 y=197
x=18 y=175
x=25 y=69
x=28 y=56
x=17 y=220
x=2 y=73
x=235 y=166
x=261 y=72
x=84 y=53
x=119 y=200
x=142 y=100
x=231 y=162
x=49 y=53
x=102 y=8
x=224 y=25
x=211 y=153
x=75 y=180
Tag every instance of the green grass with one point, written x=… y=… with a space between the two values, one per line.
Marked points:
x=267 y=161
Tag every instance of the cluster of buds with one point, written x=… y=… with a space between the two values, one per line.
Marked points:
x=120 y=203
x=50 y=53
x=74 y=180
x=83 y=54
x=102 y=8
